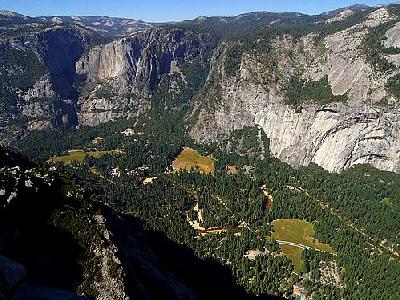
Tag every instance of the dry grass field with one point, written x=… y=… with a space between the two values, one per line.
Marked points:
x=190 y=159
x=80 y=155
x=293 y=236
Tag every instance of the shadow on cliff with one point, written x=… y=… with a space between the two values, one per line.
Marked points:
x=156 y=267
x=163 y=269
x=49 y=255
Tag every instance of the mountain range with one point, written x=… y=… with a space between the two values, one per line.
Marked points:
x=243 y=63
x=251 y=157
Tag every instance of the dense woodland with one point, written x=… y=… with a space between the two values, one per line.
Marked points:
x=355 y=212
x=300 y=91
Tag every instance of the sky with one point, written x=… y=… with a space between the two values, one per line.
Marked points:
x=172 y=10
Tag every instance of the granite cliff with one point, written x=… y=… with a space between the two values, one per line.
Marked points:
x=323 y=88
x=122 y=76
x=333 y=135
x=38 y=78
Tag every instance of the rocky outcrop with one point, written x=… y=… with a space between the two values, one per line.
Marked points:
x=97 y=111
x=110 y=61
x=157 y=69
x=347 y=70
x=334 y=136
x=57 y=243
x=38 y=80
x=393 y=37
x=44 y=219
x=136 y=65
x=42 y=88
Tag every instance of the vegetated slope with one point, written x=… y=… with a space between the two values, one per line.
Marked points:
x=57 y=241
x=228 y=218
x=176 y=81
x=223 y=27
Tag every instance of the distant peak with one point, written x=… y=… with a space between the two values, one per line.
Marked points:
x=7 y=13
x=354 y=8
x=359 y=7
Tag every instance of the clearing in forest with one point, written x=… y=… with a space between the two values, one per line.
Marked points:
x=294 y=236
x=294 y=254
x=232 y=169
x=190 y=159
x=149 y=180
x=80 y=155
x=98 y=140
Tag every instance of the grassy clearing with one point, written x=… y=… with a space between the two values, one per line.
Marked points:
x=98 y=140
x=190 y=159
x=232 y=169
x=387 y=202
x=95 y=171
x=298 y=232
x=80 y=155
x=294 y=254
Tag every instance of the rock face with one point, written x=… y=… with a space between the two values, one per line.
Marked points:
x=334 y=136
x=38 y=80
x=347 y=70
x=160 y=68
x=48 y=234
x=393 y=37
x=108 y=82
x=136 y=65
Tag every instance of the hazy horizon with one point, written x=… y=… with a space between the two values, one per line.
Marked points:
x=173 y=10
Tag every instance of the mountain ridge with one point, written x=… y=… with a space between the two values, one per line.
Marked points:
x=194 y=61
x=216 y=158
x=356 y=7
